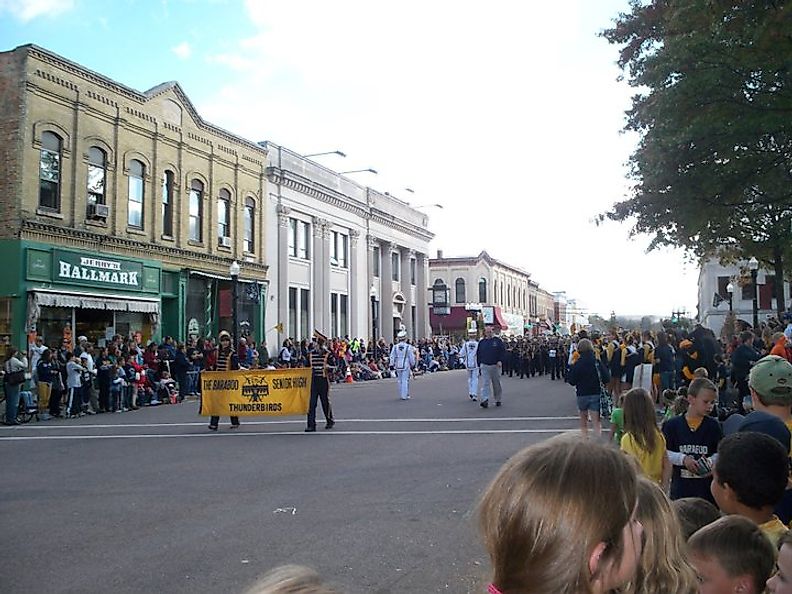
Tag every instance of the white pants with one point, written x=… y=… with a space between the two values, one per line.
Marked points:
x=403 y=379
x=473 y=381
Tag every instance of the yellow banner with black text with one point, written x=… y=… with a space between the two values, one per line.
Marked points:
x=249 y=392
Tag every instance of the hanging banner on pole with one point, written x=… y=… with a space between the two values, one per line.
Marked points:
x=247 y=393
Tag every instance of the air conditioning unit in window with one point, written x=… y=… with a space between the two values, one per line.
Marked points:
x=98 y=211
x=225 y=242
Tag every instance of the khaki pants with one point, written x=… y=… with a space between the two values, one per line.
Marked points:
x=44 y=391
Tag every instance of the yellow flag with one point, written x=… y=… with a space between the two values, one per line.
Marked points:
x=249 y=392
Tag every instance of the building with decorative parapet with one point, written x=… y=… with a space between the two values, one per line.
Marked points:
x=714 y=299
x=351 y=261
x=121 y=211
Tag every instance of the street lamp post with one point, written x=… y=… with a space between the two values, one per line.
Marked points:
x=367 y=170
x=730 y=291
x=339 y=153
x=234 y=271
x=753 y=265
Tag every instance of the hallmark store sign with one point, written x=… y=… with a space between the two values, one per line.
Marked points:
x=96 y=270
x=100 y=270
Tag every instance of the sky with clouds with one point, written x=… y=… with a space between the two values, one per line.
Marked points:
x=509 y=114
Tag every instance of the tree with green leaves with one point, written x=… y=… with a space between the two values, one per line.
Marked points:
x=712 y=171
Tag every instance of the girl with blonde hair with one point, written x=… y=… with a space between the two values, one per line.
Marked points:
x=642 y=439
x=663 y=567
x=559 y=518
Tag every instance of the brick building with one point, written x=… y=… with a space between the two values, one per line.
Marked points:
x=121 y=211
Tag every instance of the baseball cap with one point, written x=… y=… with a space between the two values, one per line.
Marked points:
x=771 y=376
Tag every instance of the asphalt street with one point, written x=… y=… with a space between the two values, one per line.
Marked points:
x=151 y=501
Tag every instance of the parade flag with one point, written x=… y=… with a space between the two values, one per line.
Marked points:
x=254 y=392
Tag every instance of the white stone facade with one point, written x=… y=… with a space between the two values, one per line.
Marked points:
x=346 y=260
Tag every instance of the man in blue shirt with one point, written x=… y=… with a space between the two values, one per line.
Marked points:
x=489 y=356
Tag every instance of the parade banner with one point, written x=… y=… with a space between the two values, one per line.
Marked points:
x=254 y=392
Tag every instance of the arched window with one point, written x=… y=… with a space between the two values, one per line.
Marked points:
x=250 y=225
x=459 y=290
x=482 y=297
x=196 y=210
x=224 y=216
x=135 y=212
x=49 y=171
x=97 y=173
x=167 y=203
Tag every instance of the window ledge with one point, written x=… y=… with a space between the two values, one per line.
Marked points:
x=136 y=231
x=223 y=248
x=195 y=243
x=96 y=223
x=167 y=237
x=44 y=212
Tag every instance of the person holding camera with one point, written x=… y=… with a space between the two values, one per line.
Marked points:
x=15 y=376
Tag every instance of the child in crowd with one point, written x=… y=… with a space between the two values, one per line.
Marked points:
x=749 y=479
x=668 y=398
x=731 y=555
x=130 y=388
x=117 y=386
x=291 y=579
x=701 y=372
x=617 y=420
x=166 y=389
x=692 y=439
x=642 y=439
x=781 y=582
x=74 y=373
x=560 y=517
x=663 y=568
x=694 y=513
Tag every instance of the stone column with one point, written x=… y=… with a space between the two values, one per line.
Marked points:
x=283 y=271
x=325 y=269
x=319 y=261
x=406 y=289
x=421 y=297
x=353 y=303
x=386 y=291
x=371 y=243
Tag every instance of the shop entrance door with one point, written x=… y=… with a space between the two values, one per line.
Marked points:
x=93 y=323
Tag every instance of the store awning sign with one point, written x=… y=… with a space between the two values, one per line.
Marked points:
x=97 y=271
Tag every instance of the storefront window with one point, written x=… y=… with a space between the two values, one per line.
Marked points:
x=51 y=323
x=199 y=304
x=127 y=323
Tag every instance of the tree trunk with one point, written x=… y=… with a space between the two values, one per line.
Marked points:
x=778 y=263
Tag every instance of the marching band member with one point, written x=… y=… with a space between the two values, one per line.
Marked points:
x=402 y=359
x=468 y=355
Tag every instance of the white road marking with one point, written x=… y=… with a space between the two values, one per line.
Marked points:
x=261 y=433
x=286 y=422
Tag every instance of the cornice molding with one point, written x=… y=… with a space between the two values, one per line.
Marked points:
x=324 y=194
x=65 y=65
x=129 y=247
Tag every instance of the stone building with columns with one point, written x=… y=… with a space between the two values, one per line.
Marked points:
x=346 y=260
